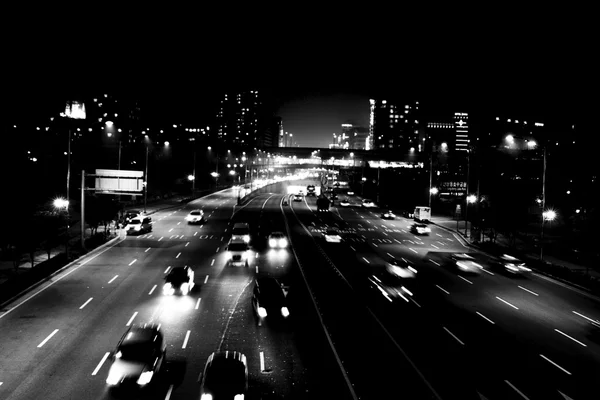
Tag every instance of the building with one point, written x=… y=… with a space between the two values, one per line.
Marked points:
x=453 y=132
x=394 y=126
x=270 y=135
x=238 y=119
x=341 y=141
x=352 y=137
x=285 y=138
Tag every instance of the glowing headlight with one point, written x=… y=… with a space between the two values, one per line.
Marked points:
x=511 y=267
x=113 y=378
x=206 y=396
x=272 y=242
x=138 y=227
x=283 y=243
x=244 y=255
x=285 y=312
x=145 y=378
x=239 y=397
x=246 y=238
x=262 y=312
x=185 y=288
x=228 y=255
x=118 y=355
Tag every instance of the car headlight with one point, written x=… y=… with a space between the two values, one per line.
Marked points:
x=228 y=255
x=206 y=396
x=246 y=238
x=145 y=378
x=113 y=378
x=185 y=287
x=262 y=312
x=244 y=255
x=239 y=397
x=283 y=243
x=285 y=312
x=138 y=227
x=272 y=242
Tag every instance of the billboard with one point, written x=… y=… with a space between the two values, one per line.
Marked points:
x=75 y=110
x=119 y=181
x=453 y=188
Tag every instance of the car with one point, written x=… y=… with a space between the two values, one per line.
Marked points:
x=465 y=263
x=225 y=376
x=512 y=265
x=344 y=203
x=388 y=215
x=269 y=299
x=277 y=240
x=238 y=253
x=332 y=236
x=420 y=229
x=298 y=197
x=241 y=230
x=367 y=203
x=179 y=279
x=138 y=358
x=131 y=214
x=195 y=216
x=333 y=196
x=138 y=225
x=395 y=281
x=350 y=193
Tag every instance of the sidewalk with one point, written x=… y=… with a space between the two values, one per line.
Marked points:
x=519 y=247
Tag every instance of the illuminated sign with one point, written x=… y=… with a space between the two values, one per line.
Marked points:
x=453 y=188
x=75 y=110
x=394 y=164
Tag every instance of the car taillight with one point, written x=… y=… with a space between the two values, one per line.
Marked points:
x=262 y=312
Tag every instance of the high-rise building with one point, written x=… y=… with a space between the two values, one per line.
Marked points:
x=394 y=125
x=453 y=132
x=341 y=141
x=461 y=123
x=353 y=137
x=238 y=118
x=271 y=134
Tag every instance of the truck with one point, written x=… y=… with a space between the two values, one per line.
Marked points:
x=322 y=204
x=422 y=214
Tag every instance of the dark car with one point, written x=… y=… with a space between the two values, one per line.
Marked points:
x=129 y=215
x=420 y=229
x=179 y=280
x=225 y=376
x=394 y=281
x=510 y=265
x=388 y=215
x=269 y=299
x=298 y=197
x=138 y=358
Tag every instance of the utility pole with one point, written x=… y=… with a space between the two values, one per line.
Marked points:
x=430 y=176
x=378 y=172
x=194 y=174
x=68 y=192
x=467 y=194
x=543 y=207
x=82 y=209
x=146 y=182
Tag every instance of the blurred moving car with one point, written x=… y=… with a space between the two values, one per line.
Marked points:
x=344 y=203
x=298 y=197
x=225 y=376
x=269 y=299
x=420 y=229
x=139 y=225
x=332 y=236
x=465 y=263
x=179 y=279
x=241 y=230
x=195 y=216
x=138 y=358
x=394 y=282
x=237 y=253
x=367 y=203
x=512 y=265
x=388 y=215
x=130 y=214
x=277 y=240
x=350 y=193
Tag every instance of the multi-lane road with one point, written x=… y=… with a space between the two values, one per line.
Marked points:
x=459 y=336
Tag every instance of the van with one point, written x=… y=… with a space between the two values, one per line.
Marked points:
x=139 y=224
x=422 y=214
x=241 y=230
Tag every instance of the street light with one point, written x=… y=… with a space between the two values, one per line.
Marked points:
x=60 y=204
x=433 y=190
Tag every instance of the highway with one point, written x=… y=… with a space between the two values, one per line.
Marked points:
x=468 y=336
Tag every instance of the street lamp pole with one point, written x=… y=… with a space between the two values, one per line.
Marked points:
x=430 y=176
x=467 y=194
x=68 y=192
x=378 y=172
x=194 y=173
x=543 y=207
x=146 y=181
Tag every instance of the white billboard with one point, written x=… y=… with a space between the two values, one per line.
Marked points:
x=119 y=181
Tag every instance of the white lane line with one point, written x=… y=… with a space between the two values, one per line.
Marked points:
x=257 y=269
x=187 y=337
x=484 y=317
x=363 y=236
x=385 y=233
x=413 y=250
x=516 y=390
x=170 y=229
x=206 y=279
x=454 y=336
x=115 y=277
x=412 y=269
x=179 y=223
x=375 y=245
x=443 y=290
x=353 y=249
x=390 y=255
x=201 y=226
x=212 y=262
x=575 y=340
x=262 y=362
x=86 y=303
x=100 y=363
x=147 y=250
x=484 y=270
x=403 y=231
x=222 y=237
x=410 y=241
x=583 y=316
x=555 y=364
x=48 y=338
x=442 y=243
x=397 y=241
x=160 y=238
x=168 y=396
x=152 y=290
x=134 y=260
x=195 y=233
x=434 y=246
x=366 y=260
x=149 y=236
x=186 y=244
x=506 y=302
x=131 y=319
x=167 y=270
x=218 y=248
x=527 y=290
x=197 y=303
x=369 y=221
x=177 y=256
x=434 y=262
x=465 y=279
x=438 y=234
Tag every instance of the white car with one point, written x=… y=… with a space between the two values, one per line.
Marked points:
x=420 y=229
x=238 y=253
x=368 y=203
x=344 y=203
x=195 y=217
x=465 y=263
x=277 y=240
x=512 y=265
x=350 y=193
x=332 y=236
x=388 y=215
